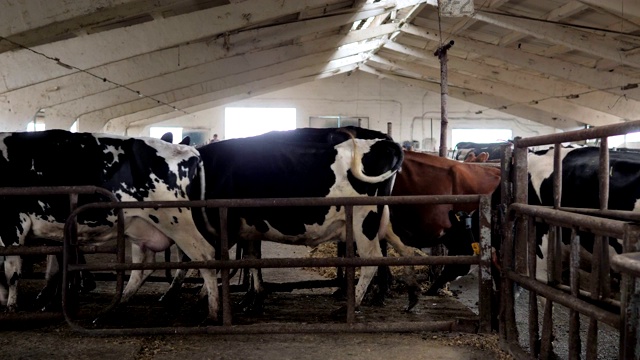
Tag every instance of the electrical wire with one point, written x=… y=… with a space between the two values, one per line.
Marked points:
x=101 y=78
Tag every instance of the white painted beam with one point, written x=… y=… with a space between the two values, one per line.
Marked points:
x=569 y=9
x=39 y=21
x=589 y=98
x=609 y=81
x=210 y=71
x=627 y=9
x=514 y=95
x=23 y=102
x=244 y=95
x=113 y=45
x=602 y=45
x=244 y=91
x=179 y=97
x=485 y=100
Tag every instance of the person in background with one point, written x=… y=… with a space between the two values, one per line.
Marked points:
x=215 y=139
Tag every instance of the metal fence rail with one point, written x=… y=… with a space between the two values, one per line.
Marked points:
x=519 y=251
x=70 y=245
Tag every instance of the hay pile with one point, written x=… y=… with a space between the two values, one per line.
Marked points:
x=330 y=249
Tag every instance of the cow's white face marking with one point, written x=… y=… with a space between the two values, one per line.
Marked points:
x=541 y=167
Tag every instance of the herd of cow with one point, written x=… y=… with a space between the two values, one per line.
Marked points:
x=303 y=163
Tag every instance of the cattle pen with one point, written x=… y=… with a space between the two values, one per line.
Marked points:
x=473 y=324
x=519 y=254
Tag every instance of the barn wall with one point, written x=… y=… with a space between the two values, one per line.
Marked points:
x=413 y=112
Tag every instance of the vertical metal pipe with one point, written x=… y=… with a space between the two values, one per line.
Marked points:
x=486 y=284
x=521 y=183
x=350 y=270
x=533 y=297
x=224 y=273
x=600 y=256
x=507 y=310
x=390 y=129
x=441 y=53
x=557 y=175
x=574 y=316
x=547 y=331
x=630 y=300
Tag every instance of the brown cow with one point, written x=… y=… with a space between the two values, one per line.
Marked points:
x=423 y=226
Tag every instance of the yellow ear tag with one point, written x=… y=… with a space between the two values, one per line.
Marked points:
x=476 y=248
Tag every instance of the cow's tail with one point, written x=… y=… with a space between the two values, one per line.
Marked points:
x=203 y=188
x=385 y=223
x=358 y=171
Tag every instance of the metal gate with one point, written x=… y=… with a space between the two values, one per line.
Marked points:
x=519 y=254
x=481 y=323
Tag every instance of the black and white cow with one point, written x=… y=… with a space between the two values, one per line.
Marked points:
x=133 y=169
x=303 y=163
x=580 y=189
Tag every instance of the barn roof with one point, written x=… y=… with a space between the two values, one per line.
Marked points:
x=563 y=63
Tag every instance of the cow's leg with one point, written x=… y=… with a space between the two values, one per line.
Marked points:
x=139 y=254
x=51 y=292
x=13 y=235
x=253 y=301
x=191 y=242
x=409 y=271
x=173 y=293
x=12 y=270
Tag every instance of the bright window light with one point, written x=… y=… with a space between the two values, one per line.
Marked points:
x=622 y=140
x=74 y=127
x=480 y=135
x=244 y=122
x=158 y=131
x=32 y=126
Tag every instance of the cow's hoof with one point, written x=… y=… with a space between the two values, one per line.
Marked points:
x=341 y=313
x=252 y=303
x=413 y=301
x=87 y=282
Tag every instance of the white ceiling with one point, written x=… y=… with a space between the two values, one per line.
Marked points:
x=563 y=63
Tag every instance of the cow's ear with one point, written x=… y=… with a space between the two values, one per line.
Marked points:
x=186 y=141
x=168 y=137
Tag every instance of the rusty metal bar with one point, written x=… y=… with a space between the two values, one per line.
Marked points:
x=350 y=272
x=56 y=190
x=458 y=325
x=629 y=264
x=564 y=299
x=623 y=215
x=579 y=135
x=224 y=273
x=607 y=227
x=547 y=331
x=574 y=316
x=557 y=175
x=507 y=326
x=484 y=270
x=54 y=250
x=520 y=196
x=534 y=334
x=284 y=262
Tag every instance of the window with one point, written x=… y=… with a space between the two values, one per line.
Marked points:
x=244 y=122
x=158 y=131
x=338 y=121
x=37 y=124
x=480 y=135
